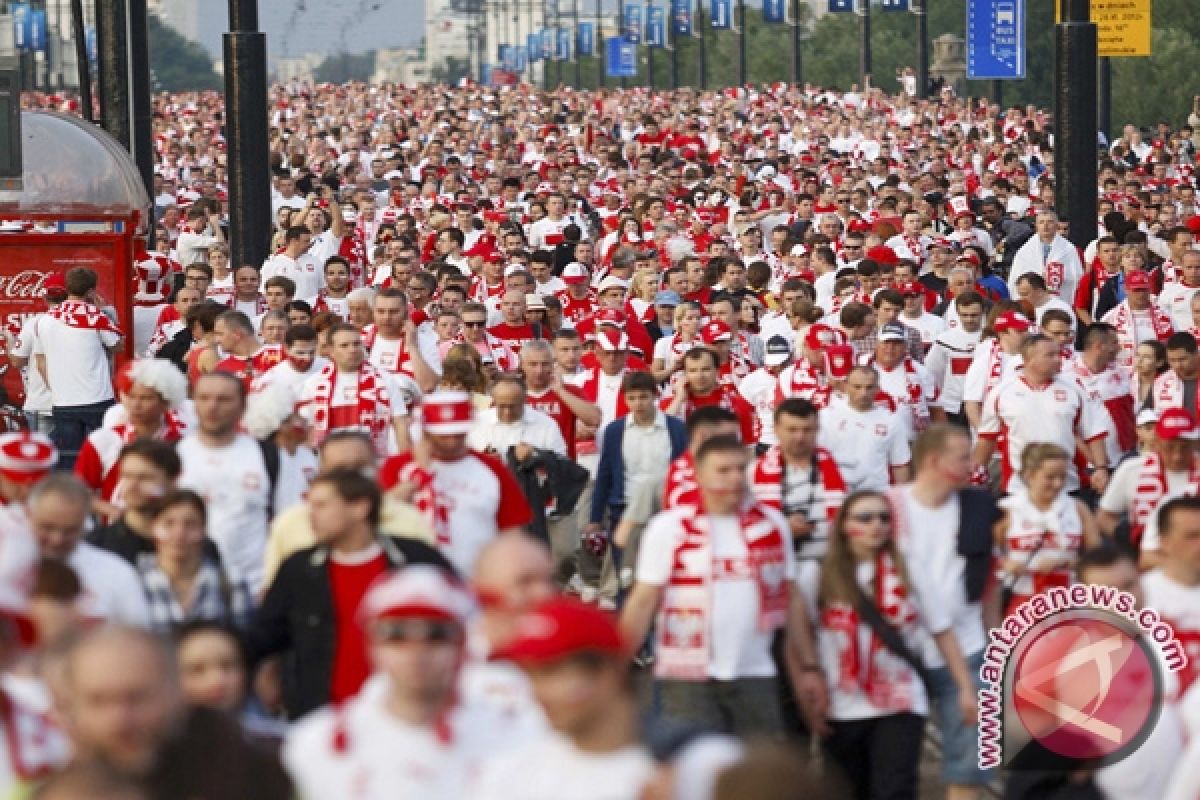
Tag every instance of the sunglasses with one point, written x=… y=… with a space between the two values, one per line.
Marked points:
x=473 y=323
x=414 y=630
x=872 y=516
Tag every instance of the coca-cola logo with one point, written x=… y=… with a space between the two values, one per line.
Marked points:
x=24 y=285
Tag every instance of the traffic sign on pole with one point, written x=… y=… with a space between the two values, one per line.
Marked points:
x=722 y=14
x=841 y=6
x=774 y=11
x=995 y=39
x=893 y=5
x=656 y=26
x=621 y=61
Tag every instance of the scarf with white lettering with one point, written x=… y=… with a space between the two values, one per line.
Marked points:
x=1151 y=488
x=685 y=623
x=861 y=673
x=374 y=403
x=1123 y=321
x=76 y=314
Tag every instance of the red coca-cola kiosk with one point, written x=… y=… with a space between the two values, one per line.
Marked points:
x=81 y=203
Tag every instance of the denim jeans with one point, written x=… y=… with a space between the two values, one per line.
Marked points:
x=72 y=424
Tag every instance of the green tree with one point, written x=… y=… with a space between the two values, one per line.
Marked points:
x=178 y=64
x=344 y=67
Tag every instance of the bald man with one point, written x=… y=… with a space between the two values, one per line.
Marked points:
x=156 y=738
x=513 y=574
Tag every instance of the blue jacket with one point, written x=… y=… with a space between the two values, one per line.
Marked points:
x=609 y=491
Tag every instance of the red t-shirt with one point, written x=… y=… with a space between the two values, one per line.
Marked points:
x=549 y=403
x=348 y=582
x=516 y=336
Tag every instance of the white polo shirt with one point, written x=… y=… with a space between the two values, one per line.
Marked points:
x=864 y=444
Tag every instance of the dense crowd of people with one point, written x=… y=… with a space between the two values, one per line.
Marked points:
x=579 y=444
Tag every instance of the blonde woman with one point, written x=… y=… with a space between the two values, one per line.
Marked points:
x=1043 y=528
x=669 y=350
x=642 y=288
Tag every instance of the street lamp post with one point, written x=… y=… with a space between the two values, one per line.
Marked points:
x=246 y=136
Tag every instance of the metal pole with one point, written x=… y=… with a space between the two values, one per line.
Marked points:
x=649 y=64
x=674 y=57
x=864 y=46
x=998 y=93
x=602 y=75
x=143 y=114
x=83 y=63
x=1075 y=120
x=702 y=55
x=741 y=11
x=621 y=28
x=112 y=28
x=575 y=37
x=797 y=66
x=245 y=52
x=918 y=8
x=1104 y=106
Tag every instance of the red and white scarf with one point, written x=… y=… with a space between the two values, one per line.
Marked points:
x=802 y=380
x=914 y=396
x=322 y=304
x=685 y=623
x=767 y=480
x=1123 y=321
x=76 y=314
x=861 y=673
x=1150 y=490
x=680 y=487
x=374 y=404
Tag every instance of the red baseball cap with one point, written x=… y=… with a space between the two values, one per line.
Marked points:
x=1137 y=281
x=54 y=282
x=911 y=288
x=1176 y=423
x=716 y=331
x=560 y=628
x=970 y=256
x=820 y=336
x=612 y=340
x=418 y=590
x=882 y=254
x=610 y=316
x=839 y=358
x=1012 y=321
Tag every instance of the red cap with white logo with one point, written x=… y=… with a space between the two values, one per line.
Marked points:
x=26 y=457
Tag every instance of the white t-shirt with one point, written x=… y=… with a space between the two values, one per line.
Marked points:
x=928 y=541
x=235 y=486
x=948 y=361
x=738 y=648
x=1179 y=606
x=385 y=353
x=468 y=495
x=192 y=248
x=77 y=365
x=284 y=378
x=324 y=246
x=895 y=381
x=759 y=390
x=979 y=373
x=304 y=271
x=1176 y=300
x=382 y=757
x=864 y=444
x=37 y=394
x=555 y=769
x=928 y=325
x=534 y=428
x=296 y=471
x=112 y=589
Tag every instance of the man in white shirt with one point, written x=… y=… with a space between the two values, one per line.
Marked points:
x=594 y=752
x=1032 y=288
x=1173 y=589
x=58 y=509
x=38 y=403
x=1176 y=298
x=1040 y=405
x=295 y=263
x=1050 y=255
x=761 y=387
x=351 y=393
x=77 y=340
x=952 y=352
x=300 y=362
x=228 y=469
x=509 y=423
x=398 y=347
x=869 y=443
x=915 y=316
x=403 y=734
x=202 y=231
x=904 y=379
x=720 y=584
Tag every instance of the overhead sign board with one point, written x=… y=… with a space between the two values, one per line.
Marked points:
x=995 y=39
x=1122 y=26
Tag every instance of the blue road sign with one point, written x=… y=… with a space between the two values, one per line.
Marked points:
x=585 y=40
x=893 y=5
x=37 y=30
x=631 y=25
x=622 y=58
x=548 y=44
x=22 y=17
x=774 y=11
x=564 y=45
x=533 y=45
x=722 y=14
x=656 y=26
x=681 y=17
x=995 y=39
x=840 y=6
